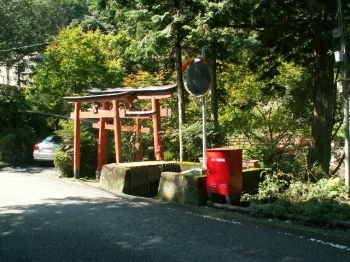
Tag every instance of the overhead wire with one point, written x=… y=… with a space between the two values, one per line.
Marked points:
x=25 y=47
x=49 y=42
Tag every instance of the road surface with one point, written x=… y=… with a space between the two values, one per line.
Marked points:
x=47 y=218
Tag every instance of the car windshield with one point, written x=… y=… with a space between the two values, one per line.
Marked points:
x=53 y=139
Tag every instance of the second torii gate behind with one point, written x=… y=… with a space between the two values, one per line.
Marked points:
x=106 y=97
x=103 y=126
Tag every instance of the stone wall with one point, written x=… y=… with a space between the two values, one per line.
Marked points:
x=190 y=187
x=115 y=179
x=137 y=178
x=184 y=188
x=166 y=181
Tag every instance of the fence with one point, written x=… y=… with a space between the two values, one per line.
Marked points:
x=289 y=144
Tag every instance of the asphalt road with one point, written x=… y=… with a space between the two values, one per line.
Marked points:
x=47 y=218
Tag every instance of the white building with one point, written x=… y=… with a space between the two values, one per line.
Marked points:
x=18 y=75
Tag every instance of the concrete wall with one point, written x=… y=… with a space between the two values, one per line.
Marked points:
x=137 y=178
x=183 y=188
x=186 y=187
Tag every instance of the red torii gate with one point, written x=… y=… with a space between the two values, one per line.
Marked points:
x=113 y=96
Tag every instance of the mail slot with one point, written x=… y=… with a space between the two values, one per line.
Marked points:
x=224 y=171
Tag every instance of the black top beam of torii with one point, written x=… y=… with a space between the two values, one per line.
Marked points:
x=123 y=93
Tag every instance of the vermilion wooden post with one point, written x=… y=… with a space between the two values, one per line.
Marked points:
x=102 y=142
x=76 y=156
x=137 y=140
x=158 y=147
x=106 y=106
x=117 y=132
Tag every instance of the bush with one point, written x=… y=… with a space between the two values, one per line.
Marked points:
x=321 y=201
x=88 y=148
x=193 y=139
x=16 y=135
x=271 y=187
x=129 y=146
x=16 y=147
x=64 y=162
x=3 y=164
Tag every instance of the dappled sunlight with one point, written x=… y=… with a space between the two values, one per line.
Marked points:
x=127 y=223
x=71 y=221
x=31 y=169
x=79 y=221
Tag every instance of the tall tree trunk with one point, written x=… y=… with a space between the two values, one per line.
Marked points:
x=324 y=91
x=181 y=87
x=214 y=98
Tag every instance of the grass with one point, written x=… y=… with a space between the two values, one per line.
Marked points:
x=324 y=202
x=189 y=165
x=3 y=164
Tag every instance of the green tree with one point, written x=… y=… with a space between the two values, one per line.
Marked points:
x=284 y=31
x=28 y=25
x=16 y=131
x=267 y=120
x=298 y=31
x=75 y=62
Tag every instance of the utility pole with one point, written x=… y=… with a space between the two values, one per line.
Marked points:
x=204 y=125
x=343 y=84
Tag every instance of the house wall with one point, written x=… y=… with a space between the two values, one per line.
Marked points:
x=11 y=76
x=8 y=76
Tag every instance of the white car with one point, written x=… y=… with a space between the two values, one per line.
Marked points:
x=46 y=150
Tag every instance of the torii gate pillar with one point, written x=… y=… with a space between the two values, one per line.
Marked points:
x=102 y=141
x=76 y=156
x=117 y=132
x=158 y=146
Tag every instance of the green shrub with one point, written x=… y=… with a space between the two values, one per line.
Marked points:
x=193 y=139
x=272 y=187
x=64 y=163
x=16 y=147
x=88 y=149
x=299 y=191
x=129 y=147
x=170 y=156
x=321 y=201
x=3 y=164
x=16 y=133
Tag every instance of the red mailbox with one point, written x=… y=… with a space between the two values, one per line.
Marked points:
x=224 y=171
